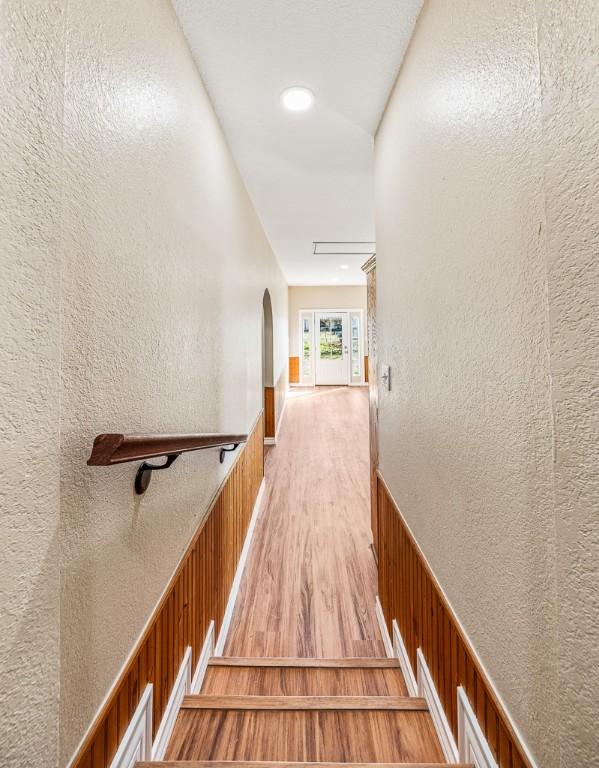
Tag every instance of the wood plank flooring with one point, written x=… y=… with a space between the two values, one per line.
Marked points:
x=304 y=677
x=307 y=703
x=310 y=582
x=304 y=681
x=335 y=736
x=287 y=764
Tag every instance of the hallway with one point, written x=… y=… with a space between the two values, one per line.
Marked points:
x=299 y=383
x=304 y=676
x=309 y=586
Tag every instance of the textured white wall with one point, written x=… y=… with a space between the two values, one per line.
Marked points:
x=165 y=269
x=133 y=270
x=568 y=45
x=30 y=109
x=321 y=297
x=487 y=313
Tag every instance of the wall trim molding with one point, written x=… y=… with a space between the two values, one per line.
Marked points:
x=180 y=689
x=510 y=737
x=473 y=747
x=426 y=689
x=404 y=661
x=205 y=654
x=136 y=743
x=226 y=622
x=380 y=617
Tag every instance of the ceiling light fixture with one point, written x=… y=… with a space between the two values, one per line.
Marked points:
x=344 y=266
x=297 y=98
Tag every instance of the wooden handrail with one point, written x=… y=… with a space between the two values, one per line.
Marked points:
x=109 y=449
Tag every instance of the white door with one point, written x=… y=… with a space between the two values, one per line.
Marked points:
x=332 y=353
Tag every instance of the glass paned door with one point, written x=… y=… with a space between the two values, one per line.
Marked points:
x=306 y=336
x=356 y=347
x=332 y=353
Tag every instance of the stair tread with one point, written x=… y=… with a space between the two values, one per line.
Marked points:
x=287 y=677
x=287 y=764
x=303 y=703
x=357 y=662
x=327 y=735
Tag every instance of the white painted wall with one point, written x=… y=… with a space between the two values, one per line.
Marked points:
x=568 y=45
x=133 y=270
x=487 y=291
x=30 y=167
x=322 y=297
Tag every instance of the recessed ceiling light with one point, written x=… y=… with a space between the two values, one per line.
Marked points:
x=344 y=266
x=297 y=98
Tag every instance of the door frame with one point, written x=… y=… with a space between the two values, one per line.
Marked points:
x=362 y=339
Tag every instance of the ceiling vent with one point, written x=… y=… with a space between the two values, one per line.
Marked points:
x=344 y=247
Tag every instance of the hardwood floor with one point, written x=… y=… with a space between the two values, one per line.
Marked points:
x=304 y=675
x=330 y=735
x=285 y=680
x=310 y=582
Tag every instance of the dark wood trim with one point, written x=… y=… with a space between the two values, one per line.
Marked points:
x=110 y=448
x=289 y=661
x=269 y=412
x=196 y=594
x=410 y=593
x=294 y=370
x=366 y=369
x=308 y=703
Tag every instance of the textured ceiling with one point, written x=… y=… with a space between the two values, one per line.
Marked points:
x=310 y=174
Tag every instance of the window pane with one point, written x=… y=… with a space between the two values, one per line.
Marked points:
x=355 y=348
x=331 y=338
x=306 y=347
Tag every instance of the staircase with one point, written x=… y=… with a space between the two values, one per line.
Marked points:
x=281 y=711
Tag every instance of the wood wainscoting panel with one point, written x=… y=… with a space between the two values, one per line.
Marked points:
x=274 y=402
x=269 y=412
x=196 y=594
x=294 y=370
x=410 y=593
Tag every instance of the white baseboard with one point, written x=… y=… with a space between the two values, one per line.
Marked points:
x=222 y=635
x=205 y=654
x=270 y=441
x=380 y=616
x=404 y=661
x=426 y=688
x=136 y=744
x=473 y=747
x=181 y=688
